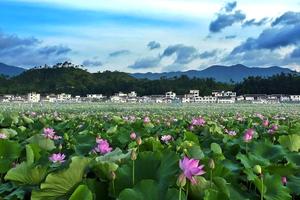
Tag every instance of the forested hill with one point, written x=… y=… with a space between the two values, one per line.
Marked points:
x=78 y=81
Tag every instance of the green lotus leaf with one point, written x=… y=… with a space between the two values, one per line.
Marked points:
x=148 y=190
x=61 y=184
x=26 y=174
x=292 y=142
x=9 y=151
x=42 y=142
x=82 y=192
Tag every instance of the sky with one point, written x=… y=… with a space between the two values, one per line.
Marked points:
x=150 y=35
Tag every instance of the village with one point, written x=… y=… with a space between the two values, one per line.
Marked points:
x=193 y=96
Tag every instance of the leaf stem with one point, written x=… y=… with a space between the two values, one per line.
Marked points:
x=133 y=172
x=179 y=197
x=113 y=186
x=211 y=178
x=187 y=190
x=262 y=188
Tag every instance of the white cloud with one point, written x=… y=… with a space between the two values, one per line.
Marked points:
x=185 y=8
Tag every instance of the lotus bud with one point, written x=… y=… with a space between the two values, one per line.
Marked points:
x=211 y=164
x=139 y=140
x=257 y=169
x=185 y=151
x=181 y=181
x=60 y=147
x=113 y=175
x=133 y=155
x=284 y=180
x=133 y=136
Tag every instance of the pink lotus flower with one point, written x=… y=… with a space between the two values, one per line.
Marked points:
x=50 y=133
x=57 y=158
x=284 y=180
x=231 y=133
x=198 y=121
x=147 y=120
x=191 y=168
x=273 y=129
x=265 y=123
x=166 y=138
x=132 y=136
x=248 y=135
x=3 y=136
x=260 y=116
x=102 y=146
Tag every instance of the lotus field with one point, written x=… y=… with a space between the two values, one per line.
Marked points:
x=149 y=152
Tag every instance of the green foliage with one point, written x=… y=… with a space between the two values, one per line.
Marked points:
x=292 y=142
x=82 y=192
x=60 y=184
x=9 y=151
x=233 y=169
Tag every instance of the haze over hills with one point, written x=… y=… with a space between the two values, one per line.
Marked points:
x=221 y=73
x=9 y=70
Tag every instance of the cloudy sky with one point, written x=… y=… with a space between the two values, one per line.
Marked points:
x=150 y=35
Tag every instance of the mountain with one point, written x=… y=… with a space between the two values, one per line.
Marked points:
x=72 y=79
x=8 y=70
x=221 y=73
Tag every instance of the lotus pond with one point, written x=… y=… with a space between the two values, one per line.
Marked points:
x=149 y=152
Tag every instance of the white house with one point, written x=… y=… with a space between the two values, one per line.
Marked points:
x=33 y=97
x=170 y=95
x=205 y=99
x=240 y=98
x=50 y=98
x=194 y=93
x=185 y=100
x=7 y=98
x=94 y=96
x=223 y=94
x=295 y=97
x=226 y=99
x=116 y=99
x=63 y=97
x=132 y=94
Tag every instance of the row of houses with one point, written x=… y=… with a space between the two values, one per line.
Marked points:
x=170 y=97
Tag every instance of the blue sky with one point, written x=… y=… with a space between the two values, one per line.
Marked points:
x=150 y=35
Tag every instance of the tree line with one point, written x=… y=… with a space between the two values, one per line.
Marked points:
x=76 y=81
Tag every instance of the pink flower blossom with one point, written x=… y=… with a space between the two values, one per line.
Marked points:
x=198 y=121
x=248 y=135
x=273 y=129
x=265 y=123
x=50 y=133
x=3 y=136
x=102 y=146
x=231 y=133
x=132 y=136
x=147 y=120
x=284 y=180
x=191 y=168
x=260 y=116
x=57 y=158
x=166 y=138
